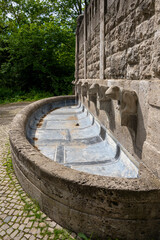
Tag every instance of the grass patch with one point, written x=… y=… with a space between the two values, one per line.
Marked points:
x=8 y=95
x=83 y=236
x=61 y=234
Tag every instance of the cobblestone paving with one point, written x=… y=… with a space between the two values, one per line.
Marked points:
x=20 y=217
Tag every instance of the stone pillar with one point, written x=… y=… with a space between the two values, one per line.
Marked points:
x=102 y=7
x=77 y=56
x=151 y=148
x=156 y=54
x=79 y=22
x=85 y=43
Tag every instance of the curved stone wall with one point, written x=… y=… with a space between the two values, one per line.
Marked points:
x=101 y=206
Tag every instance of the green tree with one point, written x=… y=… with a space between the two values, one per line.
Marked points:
x=68 y=10
x=41 y=55
x=37 y=44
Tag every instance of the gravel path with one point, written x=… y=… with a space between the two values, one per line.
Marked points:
x=20 y=217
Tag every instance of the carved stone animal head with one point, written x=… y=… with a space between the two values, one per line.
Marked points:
x=74 y=82
x=129 y=102
x=113 y=93
x=101 y=92
x=78 y=87
x=84 y=88
x=94 y=88
x=129 y=109
x=79 y=83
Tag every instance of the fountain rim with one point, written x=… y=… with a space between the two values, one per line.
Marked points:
x=18 y=141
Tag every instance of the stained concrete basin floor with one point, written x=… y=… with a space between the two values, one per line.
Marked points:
x=70 y=135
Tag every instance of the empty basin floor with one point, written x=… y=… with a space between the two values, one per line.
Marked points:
x=72 y=137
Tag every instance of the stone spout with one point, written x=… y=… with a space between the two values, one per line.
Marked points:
x=94 y=88
x=128 y=107
x=101 y=93
x=73 y=82
x=84 y=88
x=78 y=87
x=113 y=93
x=100 y=90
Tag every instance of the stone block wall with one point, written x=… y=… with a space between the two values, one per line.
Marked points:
x=129 y=39
x=81 y=51
x=92 y=54
x=120 y=46
x=93 y=41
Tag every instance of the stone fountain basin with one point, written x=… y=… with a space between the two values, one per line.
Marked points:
x=71 y=136
x=124 y=207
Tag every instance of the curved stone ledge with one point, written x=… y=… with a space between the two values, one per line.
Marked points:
x=97 y=205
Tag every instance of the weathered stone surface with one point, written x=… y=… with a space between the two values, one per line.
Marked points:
x=102 y=206
x=154 y=94
x=129 y=31
x=151 y=157
x=142 y=114
x=131 y=61
x=153 y=129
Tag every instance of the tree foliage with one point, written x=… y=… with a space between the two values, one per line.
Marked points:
x=37 y=44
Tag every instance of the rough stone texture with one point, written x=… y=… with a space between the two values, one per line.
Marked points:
x=151 y=150
x=92 y=54
x=132 y=62
x=101 y=206
x=129 y=37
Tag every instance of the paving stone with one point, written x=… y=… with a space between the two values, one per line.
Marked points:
x=26 y=230
x=21 y=227
x=27 y=236
x=2 y=233
x=14 y=218
x=19 y=219
x=45 y=238
x=14 y=234
x=58 y=227
x=11 y=211
x=16 y=213
x=42 y=224
x=51 y=230
x=33 y=231
x=52 y=224
x=32 y=238
x=35 y=224
x=29 y=225
x=19 y=236
x=6 y=238
x=39 y=236
x=15 y=224
x=26 y=220
x=6 y=211
x=3 y=216
x=10 y=230
x=5 y=227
